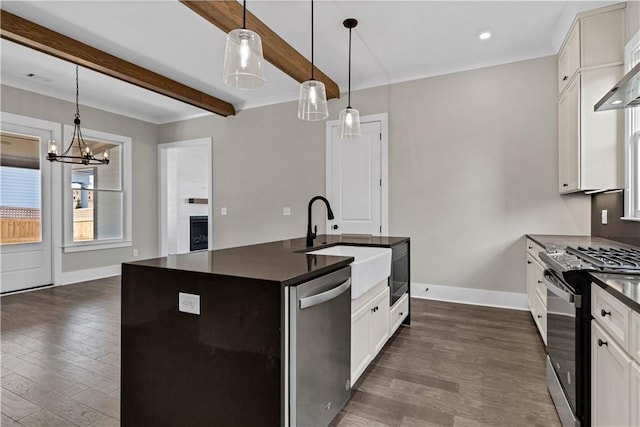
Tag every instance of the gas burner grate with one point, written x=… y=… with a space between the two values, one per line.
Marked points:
x=610 y=258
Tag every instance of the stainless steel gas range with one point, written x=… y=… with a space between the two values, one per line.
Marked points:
x=569 y=321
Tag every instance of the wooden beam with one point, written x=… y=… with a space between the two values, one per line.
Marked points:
x=32 y=35
x=227 y=15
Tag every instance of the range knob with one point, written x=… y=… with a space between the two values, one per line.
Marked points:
x=574 y=262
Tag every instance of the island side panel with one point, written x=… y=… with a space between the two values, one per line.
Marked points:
x=222 y=367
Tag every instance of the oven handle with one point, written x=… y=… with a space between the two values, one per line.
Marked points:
x=555 y=285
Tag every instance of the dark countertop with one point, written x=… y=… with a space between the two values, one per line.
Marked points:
x=282 y=261
x=562 y=241
x=624 y=287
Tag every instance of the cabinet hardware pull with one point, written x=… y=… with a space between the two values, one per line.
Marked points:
x=540 y=282
x=530 y=247
x=528 y=262
x=539 y=316
x=565 y=78
x=604 y=313
x=401 y=313
x=565 y=185
x=601 y=343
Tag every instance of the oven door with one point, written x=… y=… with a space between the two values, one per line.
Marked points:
x=562 y=311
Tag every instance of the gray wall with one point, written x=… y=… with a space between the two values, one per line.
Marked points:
x=144 y=148
x=633 y=18
x=473 y=166
x=263 y=160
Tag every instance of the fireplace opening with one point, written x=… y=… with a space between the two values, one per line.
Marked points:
x=198 y=233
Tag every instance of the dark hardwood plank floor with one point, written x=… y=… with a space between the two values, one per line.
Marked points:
x=456 y=365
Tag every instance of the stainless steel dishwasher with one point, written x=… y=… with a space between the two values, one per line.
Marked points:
x=319 y=324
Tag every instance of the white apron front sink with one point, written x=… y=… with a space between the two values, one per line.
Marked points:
x=370 y=265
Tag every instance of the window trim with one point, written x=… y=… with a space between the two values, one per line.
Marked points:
x=632 y=140
x=69 y=246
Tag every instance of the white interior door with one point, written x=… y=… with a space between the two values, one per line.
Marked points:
x=355 y=181
x=25 y=206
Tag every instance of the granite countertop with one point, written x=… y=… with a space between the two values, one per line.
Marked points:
x=283 y=261
x=562 y=241
x=624 y=287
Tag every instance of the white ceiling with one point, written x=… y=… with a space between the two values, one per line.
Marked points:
x=394 y=41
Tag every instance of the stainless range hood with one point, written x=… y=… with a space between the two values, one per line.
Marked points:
x=625 y=94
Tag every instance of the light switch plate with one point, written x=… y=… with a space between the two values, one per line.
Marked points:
x=604 y=216
x=223 y=211
x=189 y=303
x=286 y=211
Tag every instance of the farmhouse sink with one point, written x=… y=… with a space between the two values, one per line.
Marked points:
x=370 y=265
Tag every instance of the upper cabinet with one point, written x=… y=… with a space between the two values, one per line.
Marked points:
x=590 y=62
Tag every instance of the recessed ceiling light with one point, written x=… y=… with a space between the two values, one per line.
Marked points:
x=616 y=102
x=485 y=35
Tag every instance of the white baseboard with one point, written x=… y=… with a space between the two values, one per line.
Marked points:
x=510 y=300
x=69 y=277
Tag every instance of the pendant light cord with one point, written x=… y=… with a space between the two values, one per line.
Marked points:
x=244 y=14
x=312 y=40
x=77 y=95
x=349 y=93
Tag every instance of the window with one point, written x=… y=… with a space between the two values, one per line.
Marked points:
x=20 y=216
x=632 y=147
x=98 y=197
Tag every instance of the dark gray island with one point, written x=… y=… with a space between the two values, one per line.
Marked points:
x=229 y=364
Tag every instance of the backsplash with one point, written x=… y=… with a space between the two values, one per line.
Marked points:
x=616 y=229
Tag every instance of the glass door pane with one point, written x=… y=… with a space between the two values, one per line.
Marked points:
x=20 y=195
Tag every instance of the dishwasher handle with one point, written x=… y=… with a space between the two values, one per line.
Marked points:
x=325 y=296
x=555 y=286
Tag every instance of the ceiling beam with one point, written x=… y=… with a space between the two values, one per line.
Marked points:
x=32 y=35
x=227 y=15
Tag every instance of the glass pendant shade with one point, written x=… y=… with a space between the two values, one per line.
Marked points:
x=243 y=60
x=312 y=103
x=349 y=123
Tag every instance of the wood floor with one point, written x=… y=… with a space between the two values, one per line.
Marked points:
x=456 y=365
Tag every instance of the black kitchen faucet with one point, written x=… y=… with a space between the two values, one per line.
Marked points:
x=312 y=234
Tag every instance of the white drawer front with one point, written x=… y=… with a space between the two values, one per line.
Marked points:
x=612 y=315
x=534 y=249
x=398 y=313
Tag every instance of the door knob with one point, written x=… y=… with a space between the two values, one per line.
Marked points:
x=335 y=226
x=604 y=313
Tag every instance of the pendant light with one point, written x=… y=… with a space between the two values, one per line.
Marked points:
x=349 y=120
x=82 y=153
x=312 y=103
x=243 y=57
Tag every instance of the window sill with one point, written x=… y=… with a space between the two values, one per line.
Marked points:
x=630 y=218
x=96 y=246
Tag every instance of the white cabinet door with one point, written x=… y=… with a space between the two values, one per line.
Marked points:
x=569 y=138
x=635 y=336
x=610 y=371
x=569 y=58
x=531 y=282
x=360 y=347
x=635 y=394
x=379 y=321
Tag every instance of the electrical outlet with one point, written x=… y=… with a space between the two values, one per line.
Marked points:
x=223 y=211
x=135 y=252
x=604 y=216
x=189 y=303
x=286 y=211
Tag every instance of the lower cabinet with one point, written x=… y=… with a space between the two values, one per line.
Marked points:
x=536 y=290
x=369 y=330
x=635 y=394
x=610 y=372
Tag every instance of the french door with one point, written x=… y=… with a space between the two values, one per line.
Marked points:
x=25 y=203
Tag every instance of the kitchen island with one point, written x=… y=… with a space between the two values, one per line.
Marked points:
x=225 y=365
